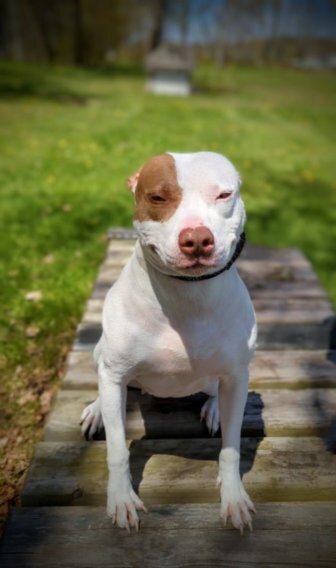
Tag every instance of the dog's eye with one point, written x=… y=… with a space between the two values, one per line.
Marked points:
x=155 y=198
x=224 y=195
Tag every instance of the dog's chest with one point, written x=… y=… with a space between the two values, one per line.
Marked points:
x=181 y=363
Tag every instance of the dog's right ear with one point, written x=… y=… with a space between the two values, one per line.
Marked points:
x=132 y=181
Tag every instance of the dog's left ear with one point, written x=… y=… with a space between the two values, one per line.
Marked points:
x=132 y=181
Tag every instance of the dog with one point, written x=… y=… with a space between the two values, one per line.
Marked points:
x=179 y=319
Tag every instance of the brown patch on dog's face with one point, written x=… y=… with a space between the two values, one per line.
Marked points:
x=157 y=194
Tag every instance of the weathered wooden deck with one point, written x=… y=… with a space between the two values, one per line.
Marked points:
x=288 y=433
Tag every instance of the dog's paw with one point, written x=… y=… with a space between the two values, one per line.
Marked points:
x=236 y=505
x=122 y=507
x=210 y=414
x=91 y=420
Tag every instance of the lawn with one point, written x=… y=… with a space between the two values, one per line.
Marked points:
x=69 y=138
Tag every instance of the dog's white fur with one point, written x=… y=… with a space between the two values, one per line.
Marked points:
x=174 y=338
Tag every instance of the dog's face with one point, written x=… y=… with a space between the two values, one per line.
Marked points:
x=189 y=214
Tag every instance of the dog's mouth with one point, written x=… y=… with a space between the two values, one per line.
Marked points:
x=197 y=263
x=197 y=266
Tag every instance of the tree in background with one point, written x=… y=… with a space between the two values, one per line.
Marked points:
x=90 y=32
x=68 y=31
x=11 y=36
x=159 y=10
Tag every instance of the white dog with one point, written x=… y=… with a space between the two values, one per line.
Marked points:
x=179 y=319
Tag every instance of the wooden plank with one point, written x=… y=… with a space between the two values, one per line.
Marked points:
x=87 y=336
x=268 y=412
x=289 y=290
x=284 y=534
x=81 y=371
x=259 y=290
x=93 y=312
x=270 y=336
x=182 y=471
x=292 y=310
x=107 y=275
x=268 y=310
x=253 y=272
x=269 y=369
x=117 y=258
x=100 y=289
x=287 y=256
x=293 y=369
x=300 y=336
x=117 y=253
x=122 y=247
x=121 y=233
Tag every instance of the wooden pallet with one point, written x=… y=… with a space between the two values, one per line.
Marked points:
x=287 y=437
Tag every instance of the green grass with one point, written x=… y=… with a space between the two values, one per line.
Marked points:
x=69 y=140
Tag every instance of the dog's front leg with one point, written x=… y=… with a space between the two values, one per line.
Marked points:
x=122 y=501
x=235 y=502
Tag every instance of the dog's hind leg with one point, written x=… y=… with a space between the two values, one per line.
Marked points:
x=91 y=419
x=210 y=409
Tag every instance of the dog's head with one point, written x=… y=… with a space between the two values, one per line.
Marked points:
x=189 y=214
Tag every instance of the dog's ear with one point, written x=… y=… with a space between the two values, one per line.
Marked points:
x=132 y=181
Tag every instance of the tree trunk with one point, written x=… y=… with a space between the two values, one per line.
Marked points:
x=11 y=30
x=79 y=55
x=161 y=7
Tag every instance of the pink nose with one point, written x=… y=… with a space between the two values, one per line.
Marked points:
x=196 y=242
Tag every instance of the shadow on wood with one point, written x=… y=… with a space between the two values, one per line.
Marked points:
x=177 y=421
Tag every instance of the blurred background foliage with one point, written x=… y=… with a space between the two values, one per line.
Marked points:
x=91 y=32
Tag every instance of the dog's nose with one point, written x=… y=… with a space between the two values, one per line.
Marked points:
x=196 y=242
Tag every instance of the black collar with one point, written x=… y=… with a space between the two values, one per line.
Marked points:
x=238 y=249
